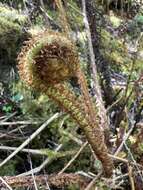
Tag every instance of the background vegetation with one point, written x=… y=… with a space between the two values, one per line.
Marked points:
x=116 y=29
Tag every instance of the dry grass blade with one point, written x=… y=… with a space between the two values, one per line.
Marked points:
x=73 y=159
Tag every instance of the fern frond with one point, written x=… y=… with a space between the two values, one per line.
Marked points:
x=47 y=62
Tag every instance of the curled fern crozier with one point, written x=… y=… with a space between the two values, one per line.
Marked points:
x=46 y=63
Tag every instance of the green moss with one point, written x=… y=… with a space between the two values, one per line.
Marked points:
x=73 y=187
x=55 y=155
x=141 y=147
x=34 y=106
x=139 y=64
x=11 y=34
x=115 y=51
x=9 y=169
x=12 y=15
x=8 y=30
x=116 y=57
x=116 y=21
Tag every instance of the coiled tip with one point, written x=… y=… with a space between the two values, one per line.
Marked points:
x=48 y=58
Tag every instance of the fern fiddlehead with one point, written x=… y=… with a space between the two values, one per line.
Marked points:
x=46 y=63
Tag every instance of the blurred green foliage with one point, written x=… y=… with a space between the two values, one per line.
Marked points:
x=38 y=107
x=11 y=33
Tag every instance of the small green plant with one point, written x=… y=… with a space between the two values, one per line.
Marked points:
x=7 y=108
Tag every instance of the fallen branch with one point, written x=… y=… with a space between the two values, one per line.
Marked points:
x=60 y=181
x=45 y=151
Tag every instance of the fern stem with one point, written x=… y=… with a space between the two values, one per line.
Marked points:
x=93 y=134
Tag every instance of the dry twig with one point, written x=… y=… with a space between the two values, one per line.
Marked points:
x=25 y=143
x=73 y=159
x=39 y=168
x=130 y=172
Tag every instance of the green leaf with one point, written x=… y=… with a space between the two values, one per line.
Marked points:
x=139 y=19
x=17 y=97
x=7 y=108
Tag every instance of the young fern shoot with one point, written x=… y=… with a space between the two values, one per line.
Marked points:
x=46 y=63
